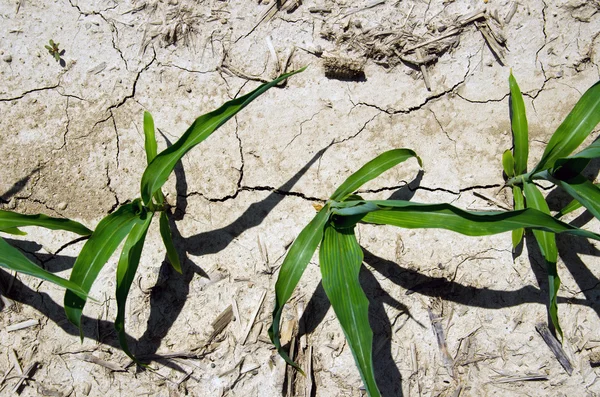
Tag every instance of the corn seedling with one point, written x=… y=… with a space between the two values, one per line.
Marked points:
x=11 y=258
x=131 y=221
x=557 y=166
x=340 y=255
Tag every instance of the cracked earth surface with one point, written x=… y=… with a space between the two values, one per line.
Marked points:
x=72 y=145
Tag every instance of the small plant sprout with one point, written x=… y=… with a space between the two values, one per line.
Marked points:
x=131 y=221
x=341 y=256
x=557 y=166
x=54 y=50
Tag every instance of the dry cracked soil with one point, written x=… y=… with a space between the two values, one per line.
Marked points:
x=426 y=75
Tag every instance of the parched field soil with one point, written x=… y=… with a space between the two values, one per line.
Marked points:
x=427 y=75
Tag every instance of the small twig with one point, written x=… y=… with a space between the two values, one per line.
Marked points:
x=441 y=339
x=26 y=375
x=424 y=71
x=308 y=386
x=90 y=358
x=452 y=32
x=491 y=42
x=511 y=13
x=253 y=318
x=21 y=325
x=368 y=6
x=555 y=346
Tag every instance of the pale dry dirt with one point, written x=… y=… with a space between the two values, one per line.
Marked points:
x=71 y=145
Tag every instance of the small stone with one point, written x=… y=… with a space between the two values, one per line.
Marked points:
x=7 y=58
x=62 y=206
x=188 y=90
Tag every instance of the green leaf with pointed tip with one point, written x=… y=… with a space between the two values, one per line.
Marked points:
x=547 y=243
x=518 y=121
x=583 y=191
x=574 y=129
x=340 y=258
x=572 y=206
x=167 y=238
x=568 y=167
x=12 y=259
x=9 y=219
x=372 y=170
x=149 y=137
x=519 y=204
x=126 y=269
x=158 y=171
x=14 y=231
x=508 y=163
x=412 y=215
x=293 y=266
x=97 y=250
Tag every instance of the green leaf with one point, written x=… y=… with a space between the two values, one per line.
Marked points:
x=581 y=190
x=97 y=250
x=291 y=270
x=574 y=130
x=341 y=257
x=572 y=206
x=128 y=264
x=508 y=163
x=165 y=233
x=158 y=171
x=12 y=259
x=575 y=164
x=518 y=120
x=547 y=243
x=14 y=231
x=412 y=215
x=372 y=170
x=149 y=137
x=519 y=201
x=9 y=219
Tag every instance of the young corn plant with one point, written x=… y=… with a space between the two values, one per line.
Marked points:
x=557 y=166
x=340 y=255
x=130 y=222
x=11 y=258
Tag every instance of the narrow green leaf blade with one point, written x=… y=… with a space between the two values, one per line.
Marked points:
x=519 y=204
x=126 y=269
x=508 y=163
x=574 y=129
x=9 y=219
x=340 y=257
x=167 y=238
x=158 y=171
x=547 y=243
x=149 y=137
x=518 y=120
x=576 y=163
x=583 y=191
x=97 y=250
x=12 y=259
x=371 y=170
x=412 y=215
x=293 y=266
x=14 y=231
x=571 y=206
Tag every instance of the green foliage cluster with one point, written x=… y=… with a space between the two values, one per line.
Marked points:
x=333 y=227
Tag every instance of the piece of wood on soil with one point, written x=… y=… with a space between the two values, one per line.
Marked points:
x=555 y=346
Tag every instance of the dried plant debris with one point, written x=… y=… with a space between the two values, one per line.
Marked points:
x=345 y=69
